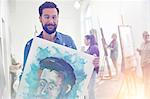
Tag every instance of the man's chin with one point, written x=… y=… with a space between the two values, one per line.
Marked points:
x=51 y=30
x=51 y=27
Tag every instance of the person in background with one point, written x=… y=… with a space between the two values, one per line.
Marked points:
x=90 y=41
x=94 y=32
x=113 y=46
x=14 y=69
x=144 y=52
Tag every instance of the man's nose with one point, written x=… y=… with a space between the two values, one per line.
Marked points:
x=50 y=20
x=44 y=91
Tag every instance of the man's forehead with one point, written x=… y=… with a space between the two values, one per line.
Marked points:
x=50 y=11
x=47 y=74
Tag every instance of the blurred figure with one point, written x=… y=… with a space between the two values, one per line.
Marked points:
x=14 y=72
x=144 y=52
x=94 y=32
x=113 y=46
x=90 y=41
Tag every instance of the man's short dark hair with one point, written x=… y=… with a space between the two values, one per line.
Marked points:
x=60 y=65
x=48 y=5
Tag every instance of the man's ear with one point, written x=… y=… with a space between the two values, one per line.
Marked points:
x=40 y=18
x=68 y=88
x=39 y=72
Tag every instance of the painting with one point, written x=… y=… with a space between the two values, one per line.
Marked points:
x=54 y=71
x=127 y=47
x=127 y=41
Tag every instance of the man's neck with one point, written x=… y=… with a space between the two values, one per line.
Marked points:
x=49 y=37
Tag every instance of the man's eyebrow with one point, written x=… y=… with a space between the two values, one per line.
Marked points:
x=45 y=15
x=49 y=15
x=43 y=80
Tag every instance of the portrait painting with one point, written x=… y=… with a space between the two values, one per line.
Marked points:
x=54 y=71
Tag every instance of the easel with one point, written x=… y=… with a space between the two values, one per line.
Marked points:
x=128 y=87
x=105 y=56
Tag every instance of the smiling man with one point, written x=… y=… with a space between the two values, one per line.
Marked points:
x=48 y=16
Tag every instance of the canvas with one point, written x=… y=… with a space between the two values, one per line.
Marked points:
x=126 y=37
x=54 y=71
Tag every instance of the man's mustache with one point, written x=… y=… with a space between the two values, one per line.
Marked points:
x=50 y=24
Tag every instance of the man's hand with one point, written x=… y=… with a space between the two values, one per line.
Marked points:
x=96 y=62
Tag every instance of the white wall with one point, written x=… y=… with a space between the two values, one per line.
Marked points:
x=135 y=13
x=24 y=17
x=148 y=15
x=5 y=48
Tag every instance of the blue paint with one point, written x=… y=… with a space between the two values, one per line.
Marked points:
x=74 y=59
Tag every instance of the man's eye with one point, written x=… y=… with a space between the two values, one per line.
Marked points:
x=50 y=87
x=54 y=17
x=46 y=17
x=42 y=84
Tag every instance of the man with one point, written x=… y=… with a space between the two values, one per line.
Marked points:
x=144 y=52
x=56 y=79
x=49 y=14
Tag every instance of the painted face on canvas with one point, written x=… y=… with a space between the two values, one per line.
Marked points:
x=50 y=83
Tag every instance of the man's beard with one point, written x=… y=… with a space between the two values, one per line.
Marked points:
x=50 y=31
